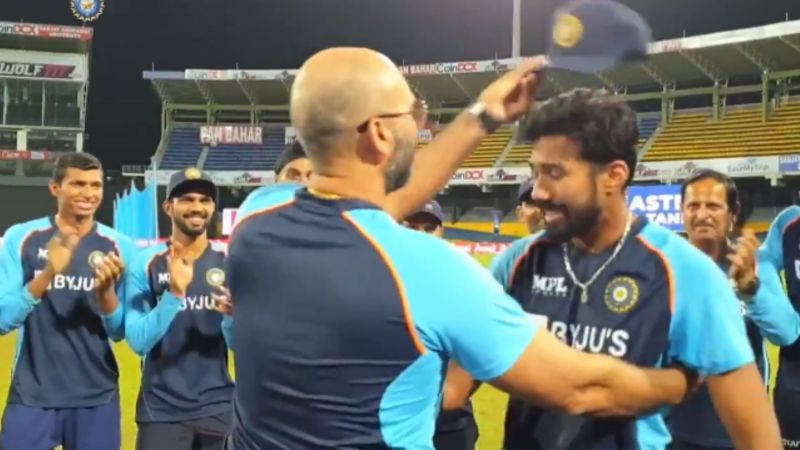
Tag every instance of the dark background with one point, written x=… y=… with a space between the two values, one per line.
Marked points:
x=133 y=35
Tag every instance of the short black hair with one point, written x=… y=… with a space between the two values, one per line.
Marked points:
x=292 y=152
x=731 y=191
x=74 y=160
x=605 y=127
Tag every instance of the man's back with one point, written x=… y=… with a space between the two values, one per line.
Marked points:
x=341 y=329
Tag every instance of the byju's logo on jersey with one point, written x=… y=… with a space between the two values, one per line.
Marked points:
x=549 y=286
x=621 y=294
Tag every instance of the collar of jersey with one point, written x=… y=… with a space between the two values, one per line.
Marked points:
x=324 y=195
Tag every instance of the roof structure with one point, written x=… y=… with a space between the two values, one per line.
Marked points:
x=735 y=60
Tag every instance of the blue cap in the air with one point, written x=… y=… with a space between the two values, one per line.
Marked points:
x=595 y=35
x=433 y=208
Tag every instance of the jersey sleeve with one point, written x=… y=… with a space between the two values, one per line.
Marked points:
x=488 y=330
x=503 y=265
x=771 y=309
x=773 y=244
x=707 y=332
x=227 y=331
x=115 y=322
x=264 y=198
x=144 y=326
x=16 y=302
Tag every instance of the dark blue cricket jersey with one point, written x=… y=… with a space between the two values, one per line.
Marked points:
x=64 y=357
x=769 y=315
x=782 y=248
x=345 y=323
x=184 y=342
x=660 y=300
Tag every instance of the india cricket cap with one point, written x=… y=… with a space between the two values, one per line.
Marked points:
x=433 y=208
x=595 y=35
x=189 y=176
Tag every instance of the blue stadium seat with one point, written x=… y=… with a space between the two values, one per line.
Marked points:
x=248 y=157
x=648 y=126
x=183 y=149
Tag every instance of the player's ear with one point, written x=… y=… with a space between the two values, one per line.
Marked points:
x=616 y=176
x=53 y=187
x=167 y=207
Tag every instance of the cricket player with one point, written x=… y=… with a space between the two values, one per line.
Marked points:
x=527 y=212
x=711 y=207
x=59 y=287
x=455 y=429
x=293 y=165
x=782 y=253
x=174 y=322
x=605 y=281
x=345 y=319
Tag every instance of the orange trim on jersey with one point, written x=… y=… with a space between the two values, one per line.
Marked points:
x=261 y=212
x=412 y=330
x=670 y=275
x=791 y=222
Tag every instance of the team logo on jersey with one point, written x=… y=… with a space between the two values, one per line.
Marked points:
x=87 y=10
x=568 y=31
x=193 y=174
x=215 y=277
x=96 y=259
x=621 y=294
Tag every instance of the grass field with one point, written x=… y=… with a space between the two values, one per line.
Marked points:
x=489 y=404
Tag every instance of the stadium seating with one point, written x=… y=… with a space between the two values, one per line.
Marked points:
x=248 y=157
x=647 y=126
x=741 y=133
x=490 y=149
x=183 y=149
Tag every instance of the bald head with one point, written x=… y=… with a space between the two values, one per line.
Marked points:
x=337 y=90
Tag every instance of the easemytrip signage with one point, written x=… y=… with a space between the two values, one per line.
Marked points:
x=661 y=204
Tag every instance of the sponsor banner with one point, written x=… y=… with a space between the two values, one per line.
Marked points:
x=492 y=175
x=441 y=68
x=231 y=134
x=661 y=204
x=46 y=31
x=789 y=164
x=481 y=247
x=34 y=155
x=236 y=74
x=225 y=177
x=734 y=167
x=42 y=65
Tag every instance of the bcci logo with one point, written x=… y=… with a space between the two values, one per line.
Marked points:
x=215 y=277
x=621 y=294
x=192 y=174
x=87 y=10
x=568 y=31
x=96 y=259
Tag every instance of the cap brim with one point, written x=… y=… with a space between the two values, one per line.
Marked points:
x=584 y=64
x=187 y=184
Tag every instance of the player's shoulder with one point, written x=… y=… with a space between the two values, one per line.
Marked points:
x=266 y=197
x=682 y=258
x=522 y=246
x=145 y=256
x=18 y=232
x=788 y=215
x=114 y=235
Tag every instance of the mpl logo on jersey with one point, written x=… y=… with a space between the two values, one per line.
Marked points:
x=549 y=286
x=661 y=204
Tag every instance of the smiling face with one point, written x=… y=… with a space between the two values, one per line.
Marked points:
x=191 y=211
x=707 y=216
x=79 y=192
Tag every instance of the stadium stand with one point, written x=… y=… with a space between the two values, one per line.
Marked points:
x=248 y=157
x=742 y=132
x=183 y=149
x=490 y=149
x=648 y=124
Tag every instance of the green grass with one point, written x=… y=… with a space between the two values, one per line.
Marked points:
x=489 y=403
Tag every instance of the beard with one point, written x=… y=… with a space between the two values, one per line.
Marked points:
x=189 y=230
x=577 y=221
x=398 y=170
